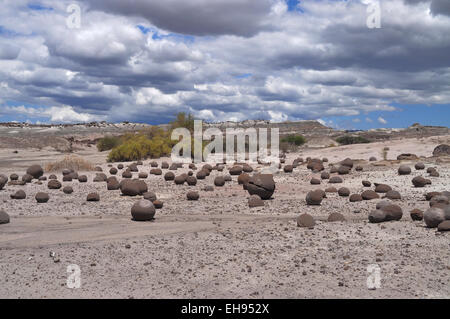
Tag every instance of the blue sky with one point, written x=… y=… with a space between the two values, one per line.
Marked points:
x=226 y=60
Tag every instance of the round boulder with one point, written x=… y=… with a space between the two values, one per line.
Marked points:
x=306 y=221
x=93 y=197
x=336 y=217
x=143 y=210
x=42 y=198
x=369 y=195
x=433 y=217
x=192 y=195
x=262 y=185
x=416 y=214
x=377 y=216
x=404 y=170
x=35 y=170
x=219 y=181
x=314 y=198
x=54 y=184
x=419 y=181
x=4 y=217
x=169 y=176
x=255 y=201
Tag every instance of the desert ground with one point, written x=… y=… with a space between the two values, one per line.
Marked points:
x=218 y=247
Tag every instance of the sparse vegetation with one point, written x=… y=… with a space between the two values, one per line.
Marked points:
x=349 y=139
x=297 y=140
x=108 y=143
x=73 y=162
x=153 y=142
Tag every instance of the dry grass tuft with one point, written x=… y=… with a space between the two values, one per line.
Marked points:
x=70 y=162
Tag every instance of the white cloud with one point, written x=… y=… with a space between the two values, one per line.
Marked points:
x=382 y=120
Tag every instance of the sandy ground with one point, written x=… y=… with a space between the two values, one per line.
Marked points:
x=218 y=247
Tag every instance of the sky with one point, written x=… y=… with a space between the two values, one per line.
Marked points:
x=226 y=60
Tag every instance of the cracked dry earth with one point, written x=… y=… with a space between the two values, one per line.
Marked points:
x=219 y=248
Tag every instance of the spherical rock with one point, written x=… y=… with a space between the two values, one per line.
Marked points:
x=133 y=168
x=4 y=217
x=201 y=174
x=243 y=179
x=120 y=166
x=169 y=176
x=344 y=192
x=348 y=162
x=143 y=210
x=394 y=195
x=112 y=184
x=35 y=170
x=54 y=184
x=439 y=199
x=343 y=170
x=164 y=165
x=369 y=195
x=142 y=175
x=133 y=187
x=154 y=164
x=419 y=181
x=335 y=180
x=331 y=190
x=99 y=178
x=180 y=179
x=228 y=178
x=42 y=198
x=191 y=180
x=442 y=150
x=53 y=176
x=247 y=168
x=382 y=188
x=151 y=196
x=444 y=226
x=3 y=181
x=383 y=204
x=14 y=177
x=325 y=175
x=113 y=171
x=419 y=166
x=416 y=214
x=288 y=168
x=219 y=181
x=68 y=190
x=127 y=174
x=315 y=181
x=366 y=183
x=255 y=201
x=192 y=195
x=377 y=216
x=262 y=185
x=306 y=221
x=404 y=170
x=433 y=217
x=93 y=197
x=156 y=171
x=355 y=198
x=27 y=178
x=314 y=198
x=236 y=170
x=20 y=194
x=336 y=217
x=158 y=204
x=393 y=212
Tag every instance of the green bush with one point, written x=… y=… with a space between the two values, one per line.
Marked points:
x=108 y=143
x=348 y=139
x=296 y=140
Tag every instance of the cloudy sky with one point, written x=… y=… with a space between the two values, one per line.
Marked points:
x=146 y=60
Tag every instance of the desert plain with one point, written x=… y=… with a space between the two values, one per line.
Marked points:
x=219 y=247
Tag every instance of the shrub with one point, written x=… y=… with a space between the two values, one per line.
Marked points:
x=108 y=143
x=349 y=139
x=296 y=140
x=70 y=162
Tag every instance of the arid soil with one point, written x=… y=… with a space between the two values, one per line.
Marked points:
x=218 y=247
